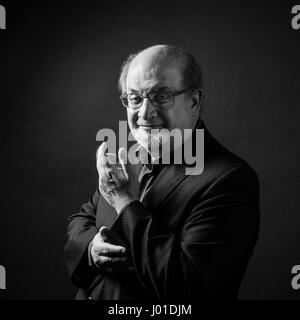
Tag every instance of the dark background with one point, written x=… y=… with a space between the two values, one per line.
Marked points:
x=59 y=65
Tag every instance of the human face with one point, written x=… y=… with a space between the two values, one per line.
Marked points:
x=147 y=74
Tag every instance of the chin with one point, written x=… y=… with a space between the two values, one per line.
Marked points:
x=142 y=137
x=150 y=141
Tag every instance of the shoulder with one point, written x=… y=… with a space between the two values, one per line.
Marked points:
x=223 y=168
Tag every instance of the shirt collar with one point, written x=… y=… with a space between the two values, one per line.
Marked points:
x=147 y=161
x=145 y=158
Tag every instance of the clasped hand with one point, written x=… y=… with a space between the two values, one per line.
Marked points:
x=118 y=184
x=108 y=257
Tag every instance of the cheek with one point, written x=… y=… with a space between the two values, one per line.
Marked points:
x=131 y=118
x=182 y=118
x=169 y=118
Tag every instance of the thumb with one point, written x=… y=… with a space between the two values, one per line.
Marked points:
x=103 y=233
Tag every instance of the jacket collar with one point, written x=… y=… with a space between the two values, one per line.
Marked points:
x=172 y=175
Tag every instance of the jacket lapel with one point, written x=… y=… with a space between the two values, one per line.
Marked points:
x=169 y=177
x=172 y=175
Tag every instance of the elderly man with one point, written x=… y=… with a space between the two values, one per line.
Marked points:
x=151 y=231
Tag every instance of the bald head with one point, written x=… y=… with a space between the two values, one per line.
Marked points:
x=168 y=56
x=152 y=56
x=151 y=68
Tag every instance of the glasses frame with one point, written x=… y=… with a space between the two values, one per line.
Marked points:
x=173 y=93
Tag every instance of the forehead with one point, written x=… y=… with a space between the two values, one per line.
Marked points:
x=150 y=74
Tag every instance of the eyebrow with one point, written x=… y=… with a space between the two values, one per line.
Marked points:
x=153 y=89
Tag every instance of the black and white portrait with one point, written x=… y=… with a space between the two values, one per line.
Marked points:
x=149 y=151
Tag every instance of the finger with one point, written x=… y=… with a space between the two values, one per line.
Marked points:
x=102 y=150
x=114 y=172
x=118 y=176
x=111 y=261
x=103 y=233
x=106 y=184
x=120 y=269
x=122 y=154
x=101 y=155
x=103 y=179
x=109 y=249
x=111 y=158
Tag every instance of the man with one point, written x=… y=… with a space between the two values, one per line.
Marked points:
x=151 y=231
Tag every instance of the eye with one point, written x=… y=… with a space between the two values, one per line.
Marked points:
x=162 y=97
x=134 y=99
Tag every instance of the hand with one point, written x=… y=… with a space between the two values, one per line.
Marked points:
x=109 y=257
x=118 y=185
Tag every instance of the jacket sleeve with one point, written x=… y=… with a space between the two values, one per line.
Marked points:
x=80 y=232
x=207 y=255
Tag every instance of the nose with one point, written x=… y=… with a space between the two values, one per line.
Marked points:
x=147 y=111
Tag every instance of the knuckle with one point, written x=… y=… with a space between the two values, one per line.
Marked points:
x=96 y=244
x=96 y=260
x=109 y=170
x=96 y=240
x=106 y=261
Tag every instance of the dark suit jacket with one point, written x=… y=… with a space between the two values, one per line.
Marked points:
x=190 y=237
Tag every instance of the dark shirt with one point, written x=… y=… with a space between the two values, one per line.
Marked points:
x=147 y=176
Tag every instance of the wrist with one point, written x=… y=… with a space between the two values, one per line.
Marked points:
x=90 y=256
x=124 y=202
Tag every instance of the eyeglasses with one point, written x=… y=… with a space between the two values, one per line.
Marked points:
x=159 y=99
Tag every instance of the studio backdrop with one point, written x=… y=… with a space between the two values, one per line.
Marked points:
x=59 y=67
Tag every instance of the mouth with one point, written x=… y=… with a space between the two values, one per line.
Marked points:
x=150 y=126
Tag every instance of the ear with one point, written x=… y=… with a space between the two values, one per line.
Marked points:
x=196 y=97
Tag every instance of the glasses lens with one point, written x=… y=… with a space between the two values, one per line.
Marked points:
x=162 y=98
x=135 y=100
x=124 y=101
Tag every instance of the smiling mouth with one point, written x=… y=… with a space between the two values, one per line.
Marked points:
x=150 y=126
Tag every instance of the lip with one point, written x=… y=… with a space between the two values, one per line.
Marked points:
x=152 y=126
